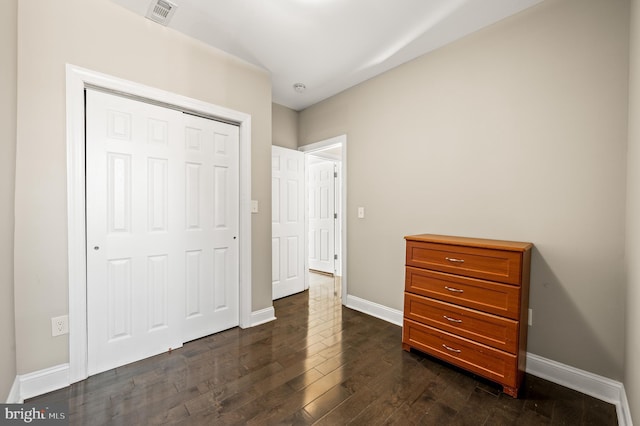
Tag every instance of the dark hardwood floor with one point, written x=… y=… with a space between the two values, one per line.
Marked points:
x=318 y=363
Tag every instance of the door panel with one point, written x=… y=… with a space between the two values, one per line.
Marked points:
x=321 y=216
x=130 y=248
x=287 y=218
x=212 y=186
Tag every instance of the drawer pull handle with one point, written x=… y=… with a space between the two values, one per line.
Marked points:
x=454 y=260
x=452 y=319
x=455 y=290
x=451 y=349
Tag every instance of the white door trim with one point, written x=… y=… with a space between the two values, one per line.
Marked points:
x=317 y=146
x=77 y=79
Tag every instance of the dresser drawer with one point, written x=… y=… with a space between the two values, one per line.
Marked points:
x=500 y=333
x=475 y=357
x=489 y=264
x=486 y=296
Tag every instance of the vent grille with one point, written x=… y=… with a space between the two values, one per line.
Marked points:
x=161 y=11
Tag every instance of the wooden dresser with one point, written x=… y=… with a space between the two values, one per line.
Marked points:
x=466 y=302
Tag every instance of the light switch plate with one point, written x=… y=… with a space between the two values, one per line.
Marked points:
x=360 y=212
x=254 y=206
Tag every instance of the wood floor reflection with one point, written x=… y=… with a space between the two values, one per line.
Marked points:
x=318 y=363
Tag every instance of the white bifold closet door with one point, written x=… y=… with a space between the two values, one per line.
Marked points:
x=162 y=226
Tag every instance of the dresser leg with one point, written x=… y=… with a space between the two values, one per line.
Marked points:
x=406 y=347
x=513 y=392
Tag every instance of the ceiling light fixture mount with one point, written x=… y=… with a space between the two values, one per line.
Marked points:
x=299 y=87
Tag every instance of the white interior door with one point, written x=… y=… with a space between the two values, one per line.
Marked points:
x=321 y=190
x=160 y=185
x=287 y=216
x=211 y=227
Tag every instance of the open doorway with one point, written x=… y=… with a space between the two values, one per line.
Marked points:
x=325 y=198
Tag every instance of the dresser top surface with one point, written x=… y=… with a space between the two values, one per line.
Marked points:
x=471 y=242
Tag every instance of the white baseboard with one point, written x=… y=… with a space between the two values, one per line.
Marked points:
x=393 y=316
x=42 y=381
x=623 y=409
x=590 y=384
x=262 y=316
x=14 y=393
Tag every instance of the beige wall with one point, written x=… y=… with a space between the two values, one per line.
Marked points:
x=285 y=126
x=101 y=36
x=516 y=132
x=632 y=361
x=8 y=32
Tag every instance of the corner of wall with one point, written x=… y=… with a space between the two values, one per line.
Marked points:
x=8 y=113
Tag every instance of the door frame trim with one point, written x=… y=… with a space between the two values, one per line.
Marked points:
x=77 y=79
x=309 y=149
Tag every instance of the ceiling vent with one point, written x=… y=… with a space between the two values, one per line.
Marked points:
x=161 y=11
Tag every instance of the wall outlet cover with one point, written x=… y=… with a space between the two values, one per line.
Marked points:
x=60 y=325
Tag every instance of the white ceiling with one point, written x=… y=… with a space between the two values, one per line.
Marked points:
x=329 y=45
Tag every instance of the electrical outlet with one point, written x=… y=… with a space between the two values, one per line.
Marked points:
x=530 y=316
x=60 y=325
